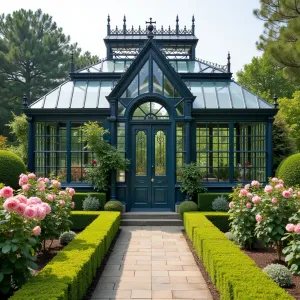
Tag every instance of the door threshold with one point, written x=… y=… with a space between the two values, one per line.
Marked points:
x=151 y=210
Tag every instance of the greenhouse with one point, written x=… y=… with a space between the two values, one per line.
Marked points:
x=163 y=108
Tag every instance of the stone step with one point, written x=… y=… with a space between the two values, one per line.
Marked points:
x=151 y=222
x=151 y=215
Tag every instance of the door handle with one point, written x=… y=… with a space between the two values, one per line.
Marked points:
x=152 y=179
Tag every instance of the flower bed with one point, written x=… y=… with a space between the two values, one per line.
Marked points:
x=70 y=273
x=234 y=274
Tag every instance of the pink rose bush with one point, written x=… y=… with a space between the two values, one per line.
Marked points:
x=29 y=217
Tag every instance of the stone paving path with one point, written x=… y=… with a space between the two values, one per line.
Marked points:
x=151 y=263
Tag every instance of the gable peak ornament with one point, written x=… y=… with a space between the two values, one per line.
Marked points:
x=150 y=28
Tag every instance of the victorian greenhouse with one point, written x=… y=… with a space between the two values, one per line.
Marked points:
x=163 y=107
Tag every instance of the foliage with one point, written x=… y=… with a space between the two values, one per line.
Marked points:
x=230 y=236
x=90 y=203
x=283 y=144
x=233 y=273
x=113 y=205
x=3 y=141
x=19 y=128
x=281 y=33
x=107 y=156
x=205 y=200
x=280 y=274
x=191 y=180
x=78 y=199
x=81 y=219
x=11 y=166
x=66 y=237
x=187 y=206
x=220 y=204
x=71 y=271
x=264 y=77
x=289 y=170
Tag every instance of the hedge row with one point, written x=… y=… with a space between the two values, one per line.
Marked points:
x=70 y=273
x=79 y=197
x=234 y=274
x=82 y=219
x=205 y=200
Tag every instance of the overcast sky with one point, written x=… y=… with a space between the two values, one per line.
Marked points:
x=221 y=25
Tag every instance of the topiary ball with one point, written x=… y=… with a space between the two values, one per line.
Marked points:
x=230 y=236
x=113 y=205
x=289 y=170
x=90 y=203
x=11 y=166
x=187 y=206
x=279 y=274
x=220 y=204
x=66 y=237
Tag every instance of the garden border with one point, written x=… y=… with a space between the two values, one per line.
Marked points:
x=70 y=273
x=233 y=273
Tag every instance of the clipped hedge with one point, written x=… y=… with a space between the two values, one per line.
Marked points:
x=205 y=200
x=82 y=219
x=219 y=219
x=289 y=170
x=234 y=274
x=70 y=273
x=79 y=197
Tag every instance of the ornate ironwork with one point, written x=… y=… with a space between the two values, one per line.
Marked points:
x=150 y=111
x=160 y=153
x=141 y=153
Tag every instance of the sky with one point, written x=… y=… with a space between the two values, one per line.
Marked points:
x=221 y=25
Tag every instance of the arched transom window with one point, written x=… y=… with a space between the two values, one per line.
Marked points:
x=150 y=111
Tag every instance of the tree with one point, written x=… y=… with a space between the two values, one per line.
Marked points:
x=264 y=77
x=282 y=32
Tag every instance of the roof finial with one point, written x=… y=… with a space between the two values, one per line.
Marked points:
x=193 y=25
x=124 y=25
x=108 y=25
x=228 y=62
x=25 y=104
x=177 y=25
x=150 y=28
x=72 y=66
x=275 y=103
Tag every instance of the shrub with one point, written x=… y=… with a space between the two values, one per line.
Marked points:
x=78 y=199
x=220 y=204
x=187 y=206
x=280 y=274
x=219 y=219
x=81 y=219
x=113 y=205
x=11 y=166
x=90 y=203
x=205 y=200
x=230 y=236
x=289 y=170
x=66 y=237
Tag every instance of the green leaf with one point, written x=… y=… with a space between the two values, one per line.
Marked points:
x=6 y=249
x=14 y=248
x=31 y=264
x=7 y=270
x=1 y=276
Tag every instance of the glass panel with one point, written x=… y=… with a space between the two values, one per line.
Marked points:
x=108 y=66
x=78 y=94
x=168 y=88
x=104 y=91
x=38 y=104
x=251 y=100
x=133 y=88
x=210 y=95
x=182 y=66
x=180 y=109
x=263 y=104
x=65 y=95
x=138 y=114
x=121 y=109
x=144 y=78
x=223 y=94
x=128 y=63
x=150 y=110
x=196 y=89
x=174 y=65
x=141 y=153
x=92 y=94
x=157 y=79
x=193 y=66
x=51 y=99
x=160 y=153
x=236 y=95
x=121 y=140
x=180 y=148
x=176 y=94
x=119 y=66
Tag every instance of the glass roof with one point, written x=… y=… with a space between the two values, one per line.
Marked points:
x=180 y=66
x=77 y=94
x=224 y=95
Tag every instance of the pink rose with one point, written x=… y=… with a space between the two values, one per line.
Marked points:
x=274 y=200
x=36 y=230
x=11 y=204
x=62 y=202
x=268 y=188
x=279 y=186
x=24 y=179
x=72 y=204
x=274 y=179
x=70 y=190
x=247 y=186
x=243 y=192
x=47 y=207
x=53 y=196
x=56 y=183
x=29 y=212
x=249 y=195
x=34 y=200
x=47 y=180
x=248 y=205
x=281 y=181
x=258 y=218
x=41 y=179
x=21 y=209
x=41 y=186
x=286 y=194
x=291 y=190
x=21 y=198
x=40 y=212
x=256 y=199
x=290 y=227
x=230 y=204
x=62 y=193
x=49 y=197
x=31 y=176
x=6 y=192
x=255 y=183
x=26 y=187
x=297 y=228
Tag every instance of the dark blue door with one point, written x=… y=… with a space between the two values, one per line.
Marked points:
x=151 y=166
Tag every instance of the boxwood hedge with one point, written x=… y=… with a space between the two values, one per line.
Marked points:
x=234 y=274
x=79 y=197
x=70 y=273
x=205 y=200
x=82 y=219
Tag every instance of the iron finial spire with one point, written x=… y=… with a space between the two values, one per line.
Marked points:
x=193 y=25
x=108 y=25
x=25 y=103
x=72 y=65
x=275 y=103
x=177 y=25
x=228 y=62
x=124 y=25
x=150 y=28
